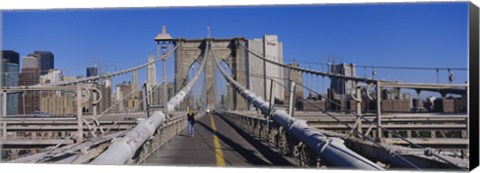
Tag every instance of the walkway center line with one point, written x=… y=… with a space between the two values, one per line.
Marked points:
x=216 y=143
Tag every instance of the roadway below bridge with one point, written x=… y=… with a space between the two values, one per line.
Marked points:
x=217 y=143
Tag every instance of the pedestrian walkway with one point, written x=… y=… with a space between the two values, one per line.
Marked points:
x=216 y=143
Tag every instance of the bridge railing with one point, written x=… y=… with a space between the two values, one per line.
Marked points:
x=276 y=137
x=331 y=150
x=357 y=126
x=87 y=96
x=377 y=122
x=123 y=149
x=163 y=134
x=90 y=149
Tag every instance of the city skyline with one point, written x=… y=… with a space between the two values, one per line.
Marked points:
x=371 y=86
x=421 y=33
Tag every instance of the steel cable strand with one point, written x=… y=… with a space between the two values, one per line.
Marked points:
x=93 y=78
x=337 y=104
x=327 y=74
x=115 y=121
x=117 y=102
x=376 y=125
x=373 y=123
x=123 y=149
x=308 y=70
x=427 y=150
x=356 y=131
x=386 y=67
x=336 y=150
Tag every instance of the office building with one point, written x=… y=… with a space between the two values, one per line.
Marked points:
x=29 y=101
x=122 y=95
x=341 y=86
x=52 y=76
x=152 y=72
x=45 y=60
x=157 y=94
x=106 y=88
x=296 y=77
x=135 y=95
x=10 y=72
x=30 y=62
x=92 y=71
x=10 y=56
x=58 y=105
x=272 y=49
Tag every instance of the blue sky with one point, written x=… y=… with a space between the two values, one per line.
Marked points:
x=408 y=34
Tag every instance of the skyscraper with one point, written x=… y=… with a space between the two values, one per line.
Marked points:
x=92 y=71
x=30 y=62
x=10 y=56
x=296 y=77
x=341 y=86
x=152 y=72
x=135 y=99
x=106 y=89
x=29 y=101
x=45 y=60
x=135 y=84
x=272 y=49
x=10 y=72
x=122 y=95
x=53 y=76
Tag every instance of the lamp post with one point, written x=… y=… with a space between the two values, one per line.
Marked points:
x=163 y=40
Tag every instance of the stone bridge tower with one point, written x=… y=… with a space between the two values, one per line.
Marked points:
x=191 y=50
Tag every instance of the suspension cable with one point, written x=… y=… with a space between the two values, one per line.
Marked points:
x=327 y=74
x=367 y=120
x=116 y=153
x=303 y=70
x=364 y=118
x=351 y=128
x=108 y=110
x=337 y=76
x=429 y=150
x=103 y=76
x=283 y=119
x=387 y=67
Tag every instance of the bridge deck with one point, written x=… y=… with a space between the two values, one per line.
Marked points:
x=216 y=143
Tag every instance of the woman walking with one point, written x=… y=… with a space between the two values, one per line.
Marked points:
x=191 y=122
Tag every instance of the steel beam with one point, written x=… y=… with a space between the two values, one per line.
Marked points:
x=291 y=103
x=4 y=113
x=35 y=142
x=359 y=110
x=396 y=126
x=433 y=141
x=379 y=111
x=79 y=114
x=70 y=128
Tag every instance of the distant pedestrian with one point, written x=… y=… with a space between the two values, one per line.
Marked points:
x=191 y=122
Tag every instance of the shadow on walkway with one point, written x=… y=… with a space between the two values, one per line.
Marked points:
x=274 y=158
